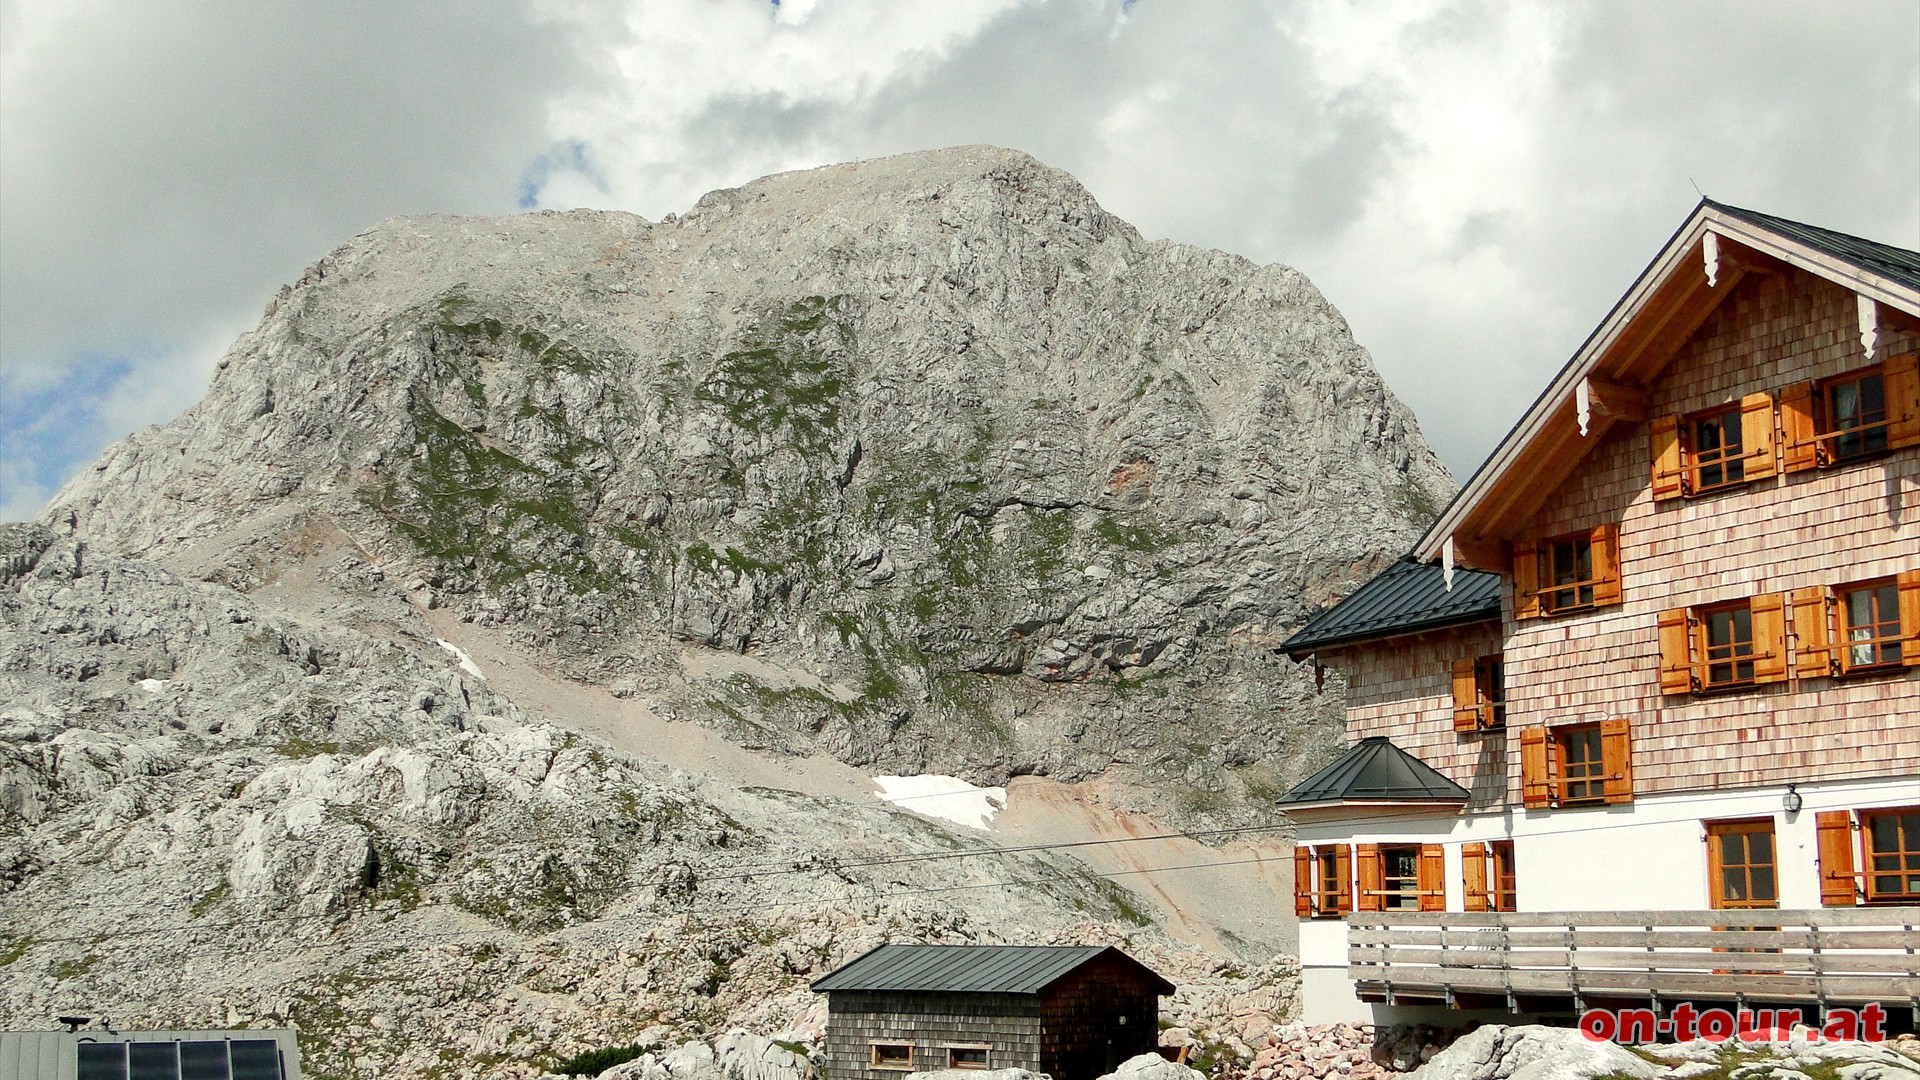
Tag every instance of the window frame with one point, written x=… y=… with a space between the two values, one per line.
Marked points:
x=1826 y=436
x=1843 y=645
x=1713 y=832
x=1543 y=765
x=874 y=1060
x=1703 y=647
x=1479 y=693
x=1589 y=735
x=985 y=1050
x=1691 y=453
x=1503 y=876
x=1908 y=853
x=1535 y=590
x=1410 y=891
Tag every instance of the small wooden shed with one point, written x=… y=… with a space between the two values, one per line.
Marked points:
x=1072 y=1011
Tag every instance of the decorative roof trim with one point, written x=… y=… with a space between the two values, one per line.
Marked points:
x=1709 y=219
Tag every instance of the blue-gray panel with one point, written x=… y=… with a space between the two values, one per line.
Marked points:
x=103 y=1061
x=256 y=1059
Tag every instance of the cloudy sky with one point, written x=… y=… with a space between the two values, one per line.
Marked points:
x=1472 y=183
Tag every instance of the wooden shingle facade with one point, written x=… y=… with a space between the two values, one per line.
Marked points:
x=1073 y=1012
x=1699 y=689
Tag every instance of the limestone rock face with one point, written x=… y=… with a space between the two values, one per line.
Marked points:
x=1010 y=489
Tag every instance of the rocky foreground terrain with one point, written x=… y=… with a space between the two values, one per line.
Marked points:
x=491 y=669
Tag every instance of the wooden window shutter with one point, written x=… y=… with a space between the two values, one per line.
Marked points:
x=1669 y=464
x=1302 y=882
x=1756 y=434
x=1467 y=708
x=1834 y=830
x=1605 y=541
x=1676 y=651
x=1616 y=759
x=1909 y=617
x=1473 y=877
x=1770 y=638
x=1343 y=869
x=1902 y=380
x=1536 y=780
x=1812 y=632
x=1526 y=581
x=1371 y=883
x=1799 y=445
x=1433 y=877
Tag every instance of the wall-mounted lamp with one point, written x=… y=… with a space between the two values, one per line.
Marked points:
x=1792 y=799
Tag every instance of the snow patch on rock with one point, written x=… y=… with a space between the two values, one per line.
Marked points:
x=466 y=662
x=948 y=798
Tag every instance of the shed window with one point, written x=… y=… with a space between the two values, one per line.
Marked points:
x=893 y=1056
x=967 y=1057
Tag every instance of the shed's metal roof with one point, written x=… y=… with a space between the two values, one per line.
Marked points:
x=1375 y=770
x=1884 y=259
x=977 y=969
x=1406 y=597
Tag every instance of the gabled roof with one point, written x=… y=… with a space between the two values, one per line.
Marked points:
x=975 y=969
x=1628 y=350
x=1374 y=771
x=1405 y=598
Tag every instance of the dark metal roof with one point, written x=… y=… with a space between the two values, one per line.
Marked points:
x=1406 y=597
x=974 y=969
x=1888 y=261
x=1375 y=770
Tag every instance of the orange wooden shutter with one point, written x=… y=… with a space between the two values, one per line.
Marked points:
x=1676 y=651
x=1902 y=381
x=1834 y=830
x=1605 y=541
x=1302 y=882
x=1371 y=883
x=1756 y=434
x=1812 y=625
x=1770 y=638
x=1798 y=444
x=1616 y=759
x=1343 y=869
x=1473 y=877
x=1433 y=877
x=1526 y=581
x=1536 y=781
x=1466 y=695
x=1910 y=617
x=1669 y=467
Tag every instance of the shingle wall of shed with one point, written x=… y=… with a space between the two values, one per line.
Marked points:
x=856 y=1019
x=1083 y=1037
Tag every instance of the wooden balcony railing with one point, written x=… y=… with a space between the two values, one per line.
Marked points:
x=1835 y=955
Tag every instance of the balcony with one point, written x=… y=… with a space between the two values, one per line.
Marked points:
x=1497 y=959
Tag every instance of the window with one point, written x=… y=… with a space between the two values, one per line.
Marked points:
x=1322 y=881
x=1401 y=877
x=1852 y=416
x=1576 y=572
x=1724 y=646
x=1891 y=841
x=1487 y=873
x=1505 y=882
x=1718 y=456
x=1479 y=693
x=1870 y=625
x=1576 y=765
x=1727 y=645
x=967 y=1057
x=1713 y=450
x=1741 y=872
x=893 y=1056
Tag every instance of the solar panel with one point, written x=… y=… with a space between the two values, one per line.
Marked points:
x=204 y=1061
x=153 y=1061
x=256 y=1059
x=103 y=1061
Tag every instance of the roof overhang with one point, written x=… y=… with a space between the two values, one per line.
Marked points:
x=1607 y=378
x=1337 y=807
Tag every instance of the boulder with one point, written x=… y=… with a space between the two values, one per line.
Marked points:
x=1152 y=1067
x=1533 y=1052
